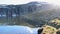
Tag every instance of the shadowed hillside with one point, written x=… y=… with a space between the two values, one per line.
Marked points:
x=33 y=14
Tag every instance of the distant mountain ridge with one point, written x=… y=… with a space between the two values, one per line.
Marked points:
x=33 y=13
x=27 y=8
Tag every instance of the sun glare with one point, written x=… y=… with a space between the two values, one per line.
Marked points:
x=56 y=2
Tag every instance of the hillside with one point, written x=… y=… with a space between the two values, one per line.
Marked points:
x=31 y=14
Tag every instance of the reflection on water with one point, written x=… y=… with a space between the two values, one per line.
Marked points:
x=4 y=20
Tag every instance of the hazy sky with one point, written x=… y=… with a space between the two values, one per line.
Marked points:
x=26 y=1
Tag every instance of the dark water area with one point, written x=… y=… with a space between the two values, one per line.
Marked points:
x=14 y=20
x=4 y=20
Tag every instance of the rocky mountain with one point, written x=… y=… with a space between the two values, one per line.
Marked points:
x=32 y=13
x=27 y=8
